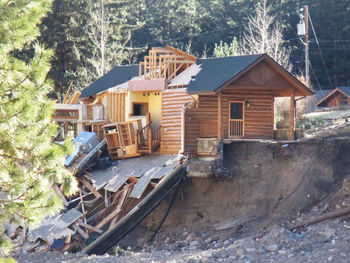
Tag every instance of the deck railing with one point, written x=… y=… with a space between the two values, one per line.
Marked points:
x=236 y=128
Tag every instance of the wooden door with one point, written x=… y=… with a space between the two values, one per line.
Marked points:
x=236 y=119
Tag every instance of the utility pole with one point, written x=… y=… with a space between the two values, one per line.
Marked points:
x=306 y=38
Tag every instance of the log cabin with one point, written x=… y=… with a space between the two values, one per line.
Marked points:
x=183 y=102
x=339 y=96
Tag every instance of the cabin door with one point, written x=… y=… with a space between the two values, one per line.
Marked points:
x=236 y=121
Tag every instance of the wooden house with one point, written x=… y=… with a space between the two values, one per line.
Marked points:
x=180 y=100
x=339 y=96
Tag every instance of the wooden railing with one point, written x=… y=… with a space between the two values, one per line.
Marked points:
x=236 y=128
x=156 y=133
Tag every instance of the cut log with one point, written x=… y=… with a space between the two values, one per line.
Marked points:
x=321 y=218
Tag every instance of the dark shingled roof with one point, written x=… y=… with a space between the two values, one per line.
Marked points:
x=216 y=72
x=116 y=76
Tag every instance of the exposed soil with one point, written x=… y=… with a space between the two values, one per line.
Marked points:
x=239 y=216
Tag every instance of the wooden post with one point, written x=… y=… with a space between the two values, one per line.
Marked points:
x=292 y=116
x=149 y=135
x=220 y=116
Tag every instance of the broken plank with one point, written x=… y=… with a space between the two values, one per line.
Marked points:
x=164 y=171
x=81 y=231
x=71 y=216
x=116 y=182
x=142 y=184
x=89 y=186
x=92 y=228
x=60 y=194
x=115 y=212
x=124 y=195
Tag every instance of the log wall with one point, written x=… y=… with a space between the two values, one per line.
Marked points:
x=259 y=116
x=173 y=101
x=336 y=100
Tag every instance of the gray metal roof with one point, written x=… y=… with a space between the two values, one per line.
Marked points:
x=345 y=90
x=116 y=76
x=215 y=72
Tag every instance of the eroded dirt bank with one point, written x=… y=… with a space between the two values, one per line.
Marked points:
x=261 y=183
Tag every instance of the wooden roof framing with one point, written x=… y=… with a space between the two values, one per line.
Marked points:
x=164 y=63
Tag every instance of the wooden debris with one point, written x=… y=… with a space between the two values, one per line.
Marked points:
x=321 y=218
x=115 y=212
x=90 y=187
x=142 y=184
x=116 y=182
x=92 y=228
x=60 y=194
x=82 y=204
x=80 y=231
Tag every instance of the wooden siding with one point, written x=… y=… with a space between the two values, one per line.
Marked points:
x=336 y=99
x=173 y=101
x=206 y=112
x=258 y=117
x=115 y=107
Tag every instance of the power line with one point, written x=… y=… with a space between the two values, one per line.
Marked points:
x=318 y=83
x=319 y=48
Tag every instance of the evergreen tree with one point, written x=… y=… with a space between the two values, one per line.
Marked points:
x=29 y=162
x=89 y=38
x=225 y=50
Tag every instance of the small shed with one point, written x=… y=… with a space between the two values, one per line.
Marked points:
x=340 y=96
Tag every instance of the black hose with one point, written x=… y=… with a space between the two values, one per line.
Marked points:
x=168 y=210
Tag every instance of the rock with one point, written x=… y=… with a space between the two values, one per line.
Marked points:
x=271 y=248
x=208 y=240
x=250 y=250
x=227 y=243
x=239 y=252
x=194 y=244
x=282 y=252
x=208 y=253
x=231 y=258
x=327 y=231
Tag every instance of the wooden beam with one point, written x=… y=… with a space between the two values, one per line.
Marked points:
x=292 y=116
x=114 y=212
x=92 y=228
x=89 y=186
x=60 y=194
x=75 y=97
x=67 y=93
x=220 y=116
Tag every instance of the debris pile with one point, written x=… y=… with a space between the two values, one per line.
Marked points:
x=109 y=191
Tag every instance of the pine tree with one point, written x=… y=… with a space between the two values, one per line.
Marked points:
x=226 y=50
x=29 y=162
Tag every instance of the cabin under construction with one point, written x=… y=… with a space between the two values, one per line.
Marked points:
x=173 y=103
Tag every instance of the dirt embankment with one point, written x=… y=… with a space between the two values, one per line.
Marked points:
x=261 y=183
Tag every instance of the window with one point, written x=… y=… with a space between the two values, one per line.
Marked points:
x=344 y=100
x=140 y=109
x=236 y=110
